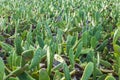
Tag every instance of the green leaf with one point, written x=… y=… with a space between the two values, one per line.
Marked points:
x=102 y=77
x=73 y=40
x=93 y=42
x=79 y=48
x=17 y=71
x=71 y=57
x=40 y=41
x=29 y=38
x=116 y=48
x=25 y=76
x=59 y=35
x=50 y=57
x=118 y=24
x=18 y=46
x=66 y=72
x=85 y=38
x=58 y=75
x=27 y=56
x=12 y=60
x=6 y=47
x=98 y=72
x=2 y=38
x=75 y=29
x=105 y=63
x=86 y=51
x=12 y=78
x=116 y=36
x=43 y=75
x=88 y=71
x=2 y=69
x=101 y=47
x=48 y=30
x=97 y=16
x=18 y=60
x=60 y=48
x=68 y=46
x=110 y=78
x=98 y=34
x=36 y=58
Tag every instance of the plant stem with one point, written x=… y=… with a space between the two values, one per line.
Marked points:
x=94 y=71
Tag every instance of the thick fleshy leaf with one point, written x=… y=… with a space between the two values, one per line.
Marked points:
x=79 y=48
x=101 y=47
x=48 y=30
x=68 y=46
x=27 y=56
x=102 y=77
x=50 y=57
x=93 y=42
x=25 y=76
x=36 y=58
x=12 y=59
x=66 y=72
x=17 y=72
x=85 y=38
x=6 y=47
x=116 y=48
x=59 y=35
x=88 y=71
x=43 y=75
x=86 y=51
x=18 y=46
x=105 y=63
x=13 y=78
x=75 y=29
x=58 y=75
x=2 y=69
x=73 y=40
x=71 y=57
x=116 y=35
x=40 y=41
x=110 y=78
